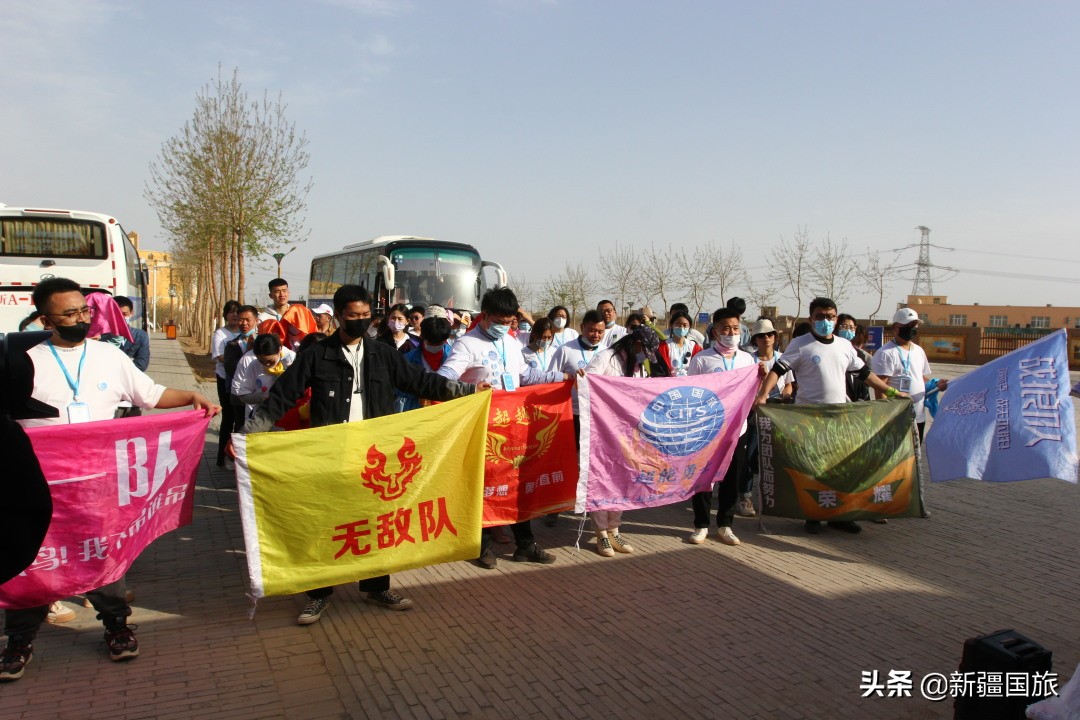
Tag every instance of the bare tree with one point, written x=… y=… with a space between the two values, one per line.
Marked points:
x=762 y=296
x=525 y=291
x=659 y=275
x=790 y=267
x=724 y=270
x=832 y=270
x=570 y=289
x=878 y=275
x=695 y=281
x=621 y=272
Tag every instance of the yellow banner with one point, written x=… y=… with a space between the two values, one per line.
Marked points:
x=345 y=502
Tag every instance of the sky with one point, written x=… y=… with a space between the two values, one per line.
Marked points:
x=545 y=132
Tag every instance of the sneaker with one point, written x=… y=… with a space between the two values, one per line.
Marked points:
x=846 y=526
x=727 y=537
x=698 y=536
x=389 y=600
x=230 y=465
x=14 y=658
x=618 y=544
x=122 y=643
x=881 y=521
x=488 y=559
x=813 y=527
x=603 y=546
x=745 y=508
x=60 y=613
x=313 y=611
x=533 y=553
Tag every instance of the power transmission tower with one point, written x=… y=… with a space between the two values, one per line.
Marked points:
x=923 y=284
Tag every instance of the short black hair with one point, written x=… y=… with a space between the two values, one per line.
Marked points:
x=844 y=316
x=499 y=301
x=124 y=302
x=347 y=294
x=266 y=344
x=592 y=317
x=417 y=308
x=434 y=330
x=821 y=302
x=248 y=309
x=724 y=313
x=738 y=305
x=230 y=306
x=277 y=282
x=45 y=289
x=676 y=307
x=602 y=303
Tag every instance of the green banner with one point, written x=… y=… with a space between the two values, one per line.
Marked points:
x=854 y=461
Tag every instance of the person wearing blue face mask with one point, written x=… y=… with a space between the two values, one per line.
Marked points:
x=677 y=350
x=821 y=361
x=856 y=388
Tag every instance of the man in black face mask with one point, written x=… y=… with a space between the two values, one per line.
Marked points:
x=85 y=380
x=352 y=377
x=903 y=365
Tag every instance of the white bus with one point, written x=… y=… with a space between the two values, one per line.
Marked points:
x=405 y=269
x=89 y=248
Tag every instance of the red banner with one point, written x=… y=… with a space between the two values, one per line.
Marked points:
x=530 y=458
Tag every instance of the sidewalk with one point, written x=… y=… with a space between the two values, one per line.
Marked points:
x=780 y=627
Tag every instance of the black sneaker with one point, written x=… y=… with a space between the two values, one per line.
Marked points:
x=533 y=553
x=813 y=527
x=122 y=643
x=312 y=611
x=14 y=658
x=488 y=559
x=389 y=600
x=846 y=526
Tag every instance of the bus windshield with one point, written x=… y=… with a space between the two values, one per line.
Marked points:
x=447 y=277
x=39 y=237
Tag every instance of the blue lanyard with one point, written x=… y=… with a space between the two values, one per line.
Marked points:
x=73 y=384
x=501 y=347
x=724 y=360
x=905 y=362
x=543 y=358
x=585 y=357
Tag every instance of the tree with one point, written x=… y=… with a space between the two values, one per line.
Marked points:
x=525 y=291
x=832 y=270
x=659 y=275
x=228 y=186
x=570 y=289
x=790 y=263
x=878 y=276
x=621 y=273
x=762 y=296
x=724 y=270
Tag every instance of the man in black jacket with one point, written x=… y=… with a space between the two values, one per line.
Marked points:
x=352 y=378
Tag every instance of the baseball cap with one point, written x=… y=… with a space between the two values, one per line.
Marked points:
x=323 y=309
x=904 y=316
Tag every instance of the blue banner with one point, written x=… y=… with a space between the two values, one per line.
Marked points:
x=1012 y=419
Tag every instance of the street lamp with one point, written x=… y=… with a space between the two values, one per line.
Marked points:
x=281 y=256
x=155 y=267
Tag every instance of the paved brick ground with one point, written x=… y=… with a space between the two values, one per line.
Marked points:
x=780 y=627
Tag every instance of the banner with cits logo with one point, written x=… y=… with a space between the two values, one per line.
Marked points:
x=655 y=441
x=340 y=503
x=116 y=486
x=1011 y=419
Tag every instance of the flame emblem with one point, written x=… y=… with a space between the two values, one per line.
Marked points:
x=392 y=485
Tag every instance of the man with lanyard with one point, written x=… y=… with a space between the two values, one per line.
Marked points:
x=85 y=381
x=821 y=361
x=279 y=300
x=722 y=356
x=613 y=332
x=902 y=364
x=488 y=353
x=352 y=377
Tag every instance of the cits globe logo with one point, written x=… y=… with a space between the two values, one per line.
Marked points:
x=682 y=421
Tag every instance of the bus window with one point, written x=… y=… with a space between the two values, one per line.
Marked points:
x=446 y=277
x=38 y=237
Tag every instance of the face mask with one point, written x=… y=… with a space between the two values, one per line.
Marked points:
x=524 y=327
x=728 y=341
x=545 y=344
x=276 y=370
x=396 y=326
x=356 y=328
x=560 y=322
x=496 y=331
x=433 y=348
x=34 y=327
x=680 y=332
x=73 y=333
x=609 y=324
x=824 y=328
x=847 y=334
x=907 y=334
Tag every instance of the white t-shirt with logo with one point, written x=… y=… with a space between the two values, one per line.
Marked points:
x=476 y=358
x=612 y=335
x=573 y=357
x=710 y=361
x=895 y=362
x=821 y=368
x=539 y=360
x=108 y=377
x=564 y=337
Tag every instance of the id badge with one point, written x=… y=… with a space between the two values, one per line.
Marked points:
x=78 y=412
x=903 y=383
x=508 y=382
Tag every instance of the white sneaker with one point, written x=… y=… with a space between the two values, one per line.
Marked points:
x=620 y=545
x=745 y=508
x=698 y=536
x=60 y=613
x=603 y=546
x=727 y=537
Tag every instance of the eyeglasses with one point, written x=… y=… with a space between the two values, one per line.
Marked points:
x=824 y=316
x=84 y=311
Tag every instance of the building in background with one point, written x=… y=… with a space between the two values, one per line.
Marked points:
x=937 y=310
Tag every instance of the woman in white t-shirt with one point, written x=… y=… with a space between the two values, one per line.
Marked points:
x=560 y=321
x=540 y=351
x=257 y=371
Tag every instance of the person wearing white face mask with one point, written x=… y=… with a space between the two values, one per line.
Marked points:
x=560 y=323
x=613 y=331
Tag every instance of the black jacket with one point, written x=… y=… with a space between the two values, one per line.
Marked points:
x=324 y=368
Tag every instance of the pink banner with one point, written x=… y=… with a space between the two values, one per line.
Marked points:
x=117 y=485
x=654 y=441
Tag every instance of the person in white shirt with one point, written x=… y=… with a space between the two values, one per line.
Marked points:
x=626 y=358
x=613 y=332
x=576 y=355
x=560 y=319
x=902 y=364
x=230 y=313
x=723 y=355
x=257 y=371
x=85 y=380
x=279 y=300
x=489 y=354
x=539 y=352
x=821 y=361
